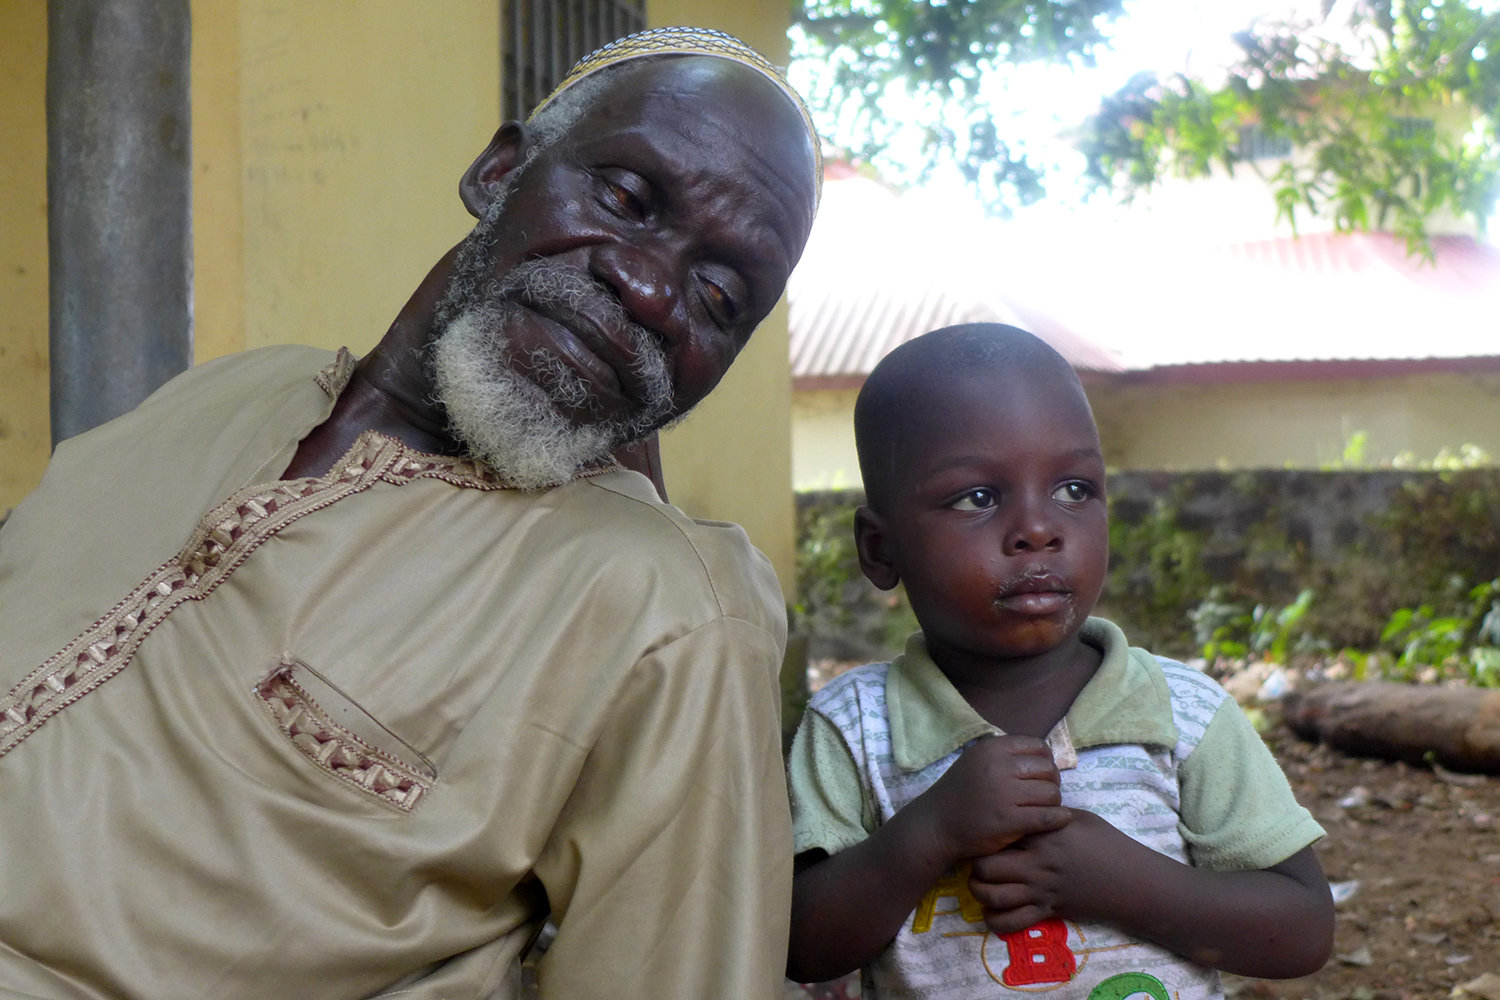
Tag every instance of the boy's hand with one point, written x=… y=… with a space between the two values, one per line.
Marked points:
x=847 y=906
x=1271 y=923
x=1052 y=874
x=1001 y=789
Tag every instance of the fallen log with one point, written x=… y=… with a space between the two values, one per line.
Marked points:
x=1458 y=728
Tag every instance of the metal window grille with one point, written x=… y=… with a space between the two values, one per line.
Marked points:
x=1255 y=144
x=544 y=38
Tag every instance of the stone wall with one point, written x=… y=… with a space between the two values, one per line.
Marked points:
x=1366 y=543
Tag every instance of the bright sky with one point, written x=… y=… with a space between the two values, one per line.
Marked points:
x=1043 y=100
x=1044 y=254
x=1164 y=36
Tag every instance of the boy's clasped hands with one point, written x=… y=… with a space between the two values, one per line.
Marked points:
x=1000 y=808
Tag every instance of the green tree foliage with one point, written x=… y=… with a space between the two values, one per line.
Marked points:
x=1357 y=103
x=1393 y=115
x=938 y=51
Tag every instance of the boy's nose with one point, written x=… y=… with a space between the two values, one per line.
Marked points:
x=1032 y=533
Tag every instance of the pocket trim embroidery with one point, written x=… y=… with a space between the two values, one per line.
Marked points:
x=335 y=750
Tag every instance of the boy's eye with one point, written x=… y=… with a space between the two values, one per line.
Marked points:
x=980 y=499
x=1074 y=492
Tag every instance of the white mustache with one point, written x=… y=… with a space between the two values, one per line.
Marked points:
x=555 y=285
x=513 y=422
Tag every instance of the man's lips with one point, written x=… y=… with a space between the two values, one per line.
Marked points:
x=1036 y=594
x=589 y=348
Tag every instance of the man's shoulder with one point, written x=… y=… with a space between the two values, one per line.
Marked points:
x=254 y=370
x=656 y=546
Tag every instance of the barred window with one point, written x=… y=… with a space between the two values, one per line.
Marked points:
x=542 y=39
x=1255 y=144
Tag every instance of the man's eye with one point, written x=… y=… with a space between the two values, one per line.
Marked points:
x=624 y=200
x=975 y=500
x=1074 y=492
x=720 y=302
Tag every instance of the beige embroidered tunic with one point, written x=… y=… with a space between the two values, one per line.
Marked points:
x=348 y=737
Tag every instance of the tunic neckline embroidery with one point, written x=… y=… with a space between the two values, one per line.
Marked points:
x=222 y=541
x=336 y=374
x=334 y=379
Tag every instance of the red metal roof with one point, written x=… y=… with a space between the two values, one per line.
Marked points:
x=876 y=273
x=1321 y=298
x=874 y=276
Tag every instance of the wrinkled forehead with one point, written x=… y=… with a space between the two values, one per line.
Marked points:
x=710 y=99
x=721 y=131
x=692 y=42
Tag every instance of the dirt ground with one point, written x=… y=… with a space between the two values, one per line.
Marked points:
x=1422 y=857
x=1418 y=856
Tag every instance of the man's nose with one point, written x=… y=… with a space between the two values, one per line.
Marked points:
x=647 y=285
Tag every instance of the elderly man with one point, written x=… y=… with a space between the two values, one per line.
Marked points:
x=325 y=679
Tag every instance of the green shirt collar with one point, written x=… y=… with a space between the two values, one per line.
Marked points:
x=1126 y=701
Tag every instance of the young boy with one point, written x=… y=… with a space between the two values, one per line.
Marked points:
x=1020 y=803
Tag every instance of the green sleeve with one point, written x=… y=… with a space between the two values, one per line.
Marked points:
x=828 y=802
x=1238 y=811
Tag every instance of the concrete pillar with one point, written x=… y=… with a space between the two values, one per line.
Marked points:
x=119 y=219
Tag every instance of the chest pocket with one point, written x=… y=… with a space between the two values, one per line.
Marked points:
x=342 y=739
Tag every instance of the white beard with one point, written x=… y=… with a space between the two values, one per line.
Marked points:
x=514 y=423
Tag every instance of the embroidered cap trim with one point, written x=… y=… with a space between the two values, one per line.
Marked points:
x=336 y=750
x=689 y=41
x=222 y=541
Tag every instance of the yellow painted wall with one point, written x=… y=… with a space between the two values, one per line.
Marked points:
x=1247 y=425
x=328 y=139
x=823 y=456
x=218 y=193
x=1301 y=423
x=357 y=118
x=25 y=427
x=731 y=460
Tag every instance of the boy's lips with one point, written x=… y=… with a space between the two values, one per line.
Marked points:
x=1035 y=594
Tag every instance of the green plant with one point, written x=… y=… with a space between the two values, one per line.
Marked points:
x=1446 y=525
x=900 y=622
x=1221 y=628
x=1485 y=663
x=1273 y=628
x=1356 y=446
x=1424 y=638
x=1157 y=574
x=1225 y=630
x=1468 y=456
x=1463 y=642
x=826 y=562
x=1359 y=663
x=1354 y=104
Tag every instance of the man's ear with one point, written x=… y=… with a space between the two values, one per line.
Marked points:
x=479 y=183
x=873 y=546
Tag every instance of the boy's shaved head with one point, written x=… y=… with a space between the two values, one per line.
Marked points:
x=911 y=378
